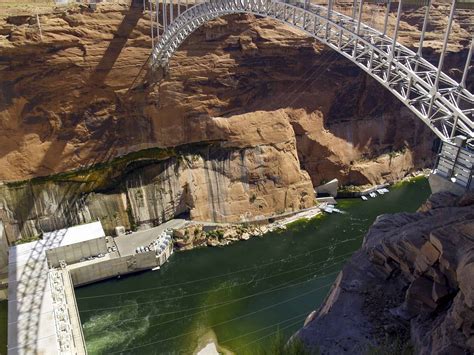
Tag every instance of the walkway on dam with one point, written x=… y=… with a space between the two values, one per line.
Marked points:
x=126 y=244
x=36 y=299
x=31 y=308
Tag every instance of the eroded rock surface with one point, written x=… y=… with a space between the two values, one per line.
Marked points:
x=283 y=110
x=412 y=280
x=65 y=99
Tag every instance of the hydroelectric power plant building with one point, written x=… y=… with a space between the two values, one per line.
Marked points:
x=42 y=312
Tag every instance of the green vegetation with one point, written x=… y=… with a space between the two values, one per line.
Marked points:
x=350 y=188
x=28 y=239
x=104 y=175
x=355 y=188
x=279 y=345
x=392 y=346
x=100 y=175
x=396 y=153
x=215 y=234
x=409 y=180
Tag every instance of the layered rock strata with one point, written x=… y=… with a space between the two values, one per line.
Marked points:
x=412 y=282
x=209 y=184
x=270 y=97
x=66 y=102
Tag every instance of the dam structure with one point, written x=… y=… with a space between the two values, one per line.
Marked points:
x=42 y=312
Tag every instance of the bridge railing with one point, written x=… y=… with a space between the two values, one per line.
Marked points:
x=442 y=103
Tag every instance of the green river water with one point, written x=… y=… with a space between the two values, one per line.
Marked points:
x=242 y=293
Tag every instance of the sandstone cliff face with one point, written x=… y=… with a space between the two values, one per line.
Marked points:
x=272 y=99
x=64 y=100
x=412 y=280
x=208 y=183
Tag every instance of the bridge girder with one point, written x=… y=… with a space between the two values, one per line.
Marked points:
x=438 y=100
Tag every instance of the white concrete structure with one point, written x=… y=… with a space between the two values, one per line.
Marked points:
x=31 y=325
x=3 y=249
x=76 y=251
x=329 y=188
x=128 y=259
x=3 y=263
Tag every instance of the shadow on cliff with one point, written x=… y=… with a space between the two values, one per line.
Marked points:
x=116 y=45
x=34 y=277
x=354 y=107
x=54 y=154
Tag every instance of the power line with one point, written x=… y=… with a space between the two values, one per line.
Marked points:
x=226 y=321
x=221 y=304
x=226 y=303
x=269 y=334
x=210 y=308
x=220 y=275
x=281 y=287
x=268 y=326
x=225 y=288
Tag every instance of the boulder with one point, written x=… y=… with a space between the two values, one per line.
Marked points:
x=413 y=277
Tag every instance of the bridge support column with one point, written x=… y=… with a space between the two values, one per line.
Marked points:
x=462 y=84
x=454 y=168
x=442 y=56
x=385 y=22
x=329 y=18
x=419 y=53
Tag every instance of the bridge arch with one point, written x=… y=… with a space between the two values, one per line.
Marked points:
x=438 y=100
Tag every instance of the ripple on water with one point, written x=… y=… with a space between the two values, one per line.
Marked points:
x=108 y=330
x=241 y=292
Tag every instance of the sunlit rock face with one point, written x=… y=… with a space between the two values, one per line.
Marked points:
x=65 y=99
x=410 y=284
x=287 y=112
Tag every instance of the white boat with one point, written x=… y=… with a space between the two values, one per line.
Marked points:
x=337 y=210
x=380 y=192
x=373 y=194
x=385 y=190
x=155 y=268
x=364 y=198
x=328 y=209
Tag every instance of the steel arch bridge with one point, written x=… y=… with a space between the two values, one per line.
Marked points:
x=442 y=103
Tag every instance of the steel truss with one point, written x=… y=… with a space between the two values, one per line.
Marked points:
x=438 y=100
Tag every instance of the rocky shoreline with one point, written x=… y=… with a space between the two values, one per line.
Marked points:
x=410 y=288
x=201 y=234
x=196 y=234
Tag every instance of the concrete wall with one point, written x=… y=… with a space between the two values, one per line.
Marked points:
x=31 y=209
x=73 y=253
x=3 y=250
x=166 y=254
x=329 y=188
x=103 y=269
x=440 y=183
